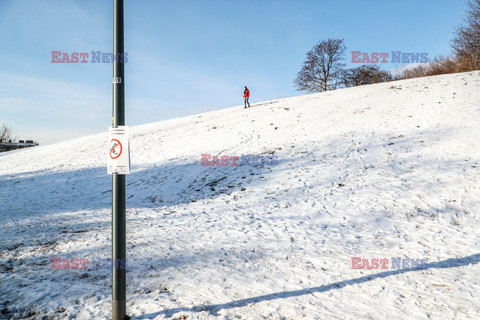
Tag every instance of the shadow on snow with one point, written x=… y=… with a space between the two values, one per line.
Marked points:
x=214 y=308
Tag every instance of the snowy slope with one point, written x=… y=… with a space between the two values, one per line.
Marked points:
x=378 y=171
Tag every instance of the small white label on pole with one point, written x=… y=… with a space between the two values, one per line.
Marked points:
x=118 y=160
x=117 y=80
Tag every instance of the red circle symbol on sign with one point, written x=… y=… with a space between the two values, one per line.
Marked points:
x=115 y=149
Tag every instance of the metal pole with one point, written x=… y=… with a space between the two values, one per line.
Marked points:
x=119 y=252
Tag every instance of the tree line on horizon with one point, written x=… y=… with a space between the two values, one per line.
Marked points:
x=6 y=135
x=323 y=68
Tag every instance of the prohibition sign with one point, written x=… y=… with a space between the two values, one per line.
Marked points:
x=114 y=146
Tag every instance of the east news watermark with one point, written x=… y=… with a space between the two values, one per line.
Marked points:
x=59 y=263
x=88 y=57
x=389 y=57
x=254 y=160
x=394 y=263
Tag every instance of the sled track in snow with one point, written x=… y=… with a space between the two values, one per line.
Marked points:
x=250 y=138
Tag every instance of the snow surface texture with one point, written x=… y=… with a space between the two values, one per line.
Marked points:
x=377 y=171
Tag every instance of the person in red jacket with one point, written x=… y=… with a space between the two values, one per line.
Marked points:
x=246 y=95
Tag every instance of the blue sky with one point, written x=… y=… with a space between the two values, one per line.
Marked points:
x=187 y=57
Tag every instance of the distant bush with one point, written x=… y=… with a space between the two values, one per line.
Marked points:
x=468 y=61
x=412 y=72
x=439 y=65
x=365 y=74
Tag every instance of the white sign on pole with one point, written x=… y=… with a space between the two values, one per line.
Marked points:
x=118 y=150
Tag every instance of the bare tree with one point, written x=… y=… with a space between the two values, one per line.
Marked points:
x=365 y=74
x=6 y=135
x=466 y=44
x=322 y=68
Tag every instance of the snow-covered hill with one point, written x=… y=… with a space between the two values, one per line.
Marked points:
x=378 y=171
